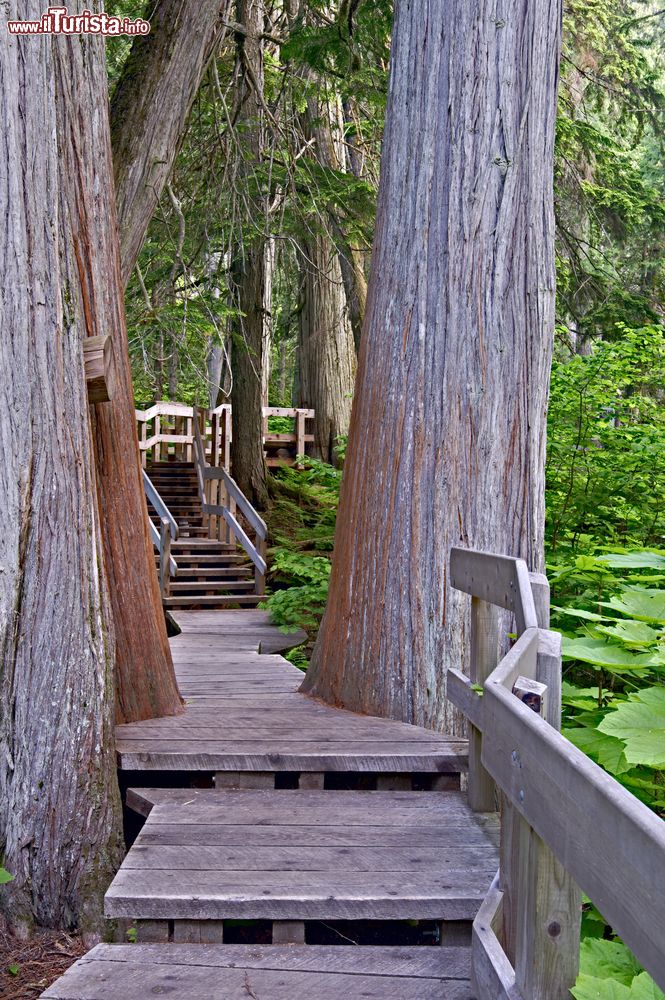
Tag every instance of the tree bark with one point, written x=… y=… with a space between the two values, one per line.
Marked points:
x=149 y=113
x=59 y=802
x=151 y=105
x=447 y=444
x=250 y=270
x=327 y=356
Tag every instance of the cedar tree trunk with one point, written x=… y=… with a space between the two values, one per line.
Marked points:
x=326 y=348
x=251 y=276
x=151 y=105
x=60 y=829
x=447 y=445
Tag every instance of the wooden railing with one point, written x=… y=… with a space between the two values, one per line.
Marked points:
x=167 y=430
x=221 y=501
x=564 y=821
x=162 y=536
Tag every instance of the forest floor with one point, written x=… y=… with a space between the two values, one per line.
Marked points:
x=28 y=967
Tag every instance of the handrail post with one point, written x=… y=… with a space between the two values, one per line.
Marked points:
x=165 y=558
x=547 y=932
x=484 y=651
x=300 y=433
x=260 y=578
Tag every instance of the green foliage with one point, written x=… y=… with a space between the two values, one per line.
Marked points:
x=608 y=971
x=614 y=634
x=606 y=458
x=302 y=521
x=5 y=876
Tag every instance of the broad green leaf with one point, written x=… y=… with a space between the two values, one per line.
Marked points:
x=632 y=633
x=589 y=616
x=592 y=988
x=633 y=560
x=608 y=959
x=606 y=654
x=5 y=876
x=608 y=751
x=644 y=988
x=645 y=605
x=640 y=723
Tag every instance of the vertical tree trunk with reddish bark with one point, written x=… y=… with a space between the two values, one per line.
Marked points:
x=60 y=824
x=447 y=444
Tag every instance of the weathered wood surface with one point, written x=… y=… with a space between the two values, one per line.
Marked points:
x=244 y=713
x=586 y=818
x=236 y=972
x=98 y=361
x=192 y=879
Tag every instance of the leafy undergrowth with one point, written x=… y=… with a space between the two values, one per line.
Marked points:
x=608 y=971
x=301 y=521
x=614 y=653
x=612 y=617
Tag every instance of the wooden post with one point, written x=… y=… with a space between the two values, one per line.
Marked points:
x=484 y=652
x=157 y=450
x=99 y=369
x=227 y=438
x=214 y=443
x=546 y=926
x=300 y=433
x=144 y=438
x=165 y=558
x=260 y=578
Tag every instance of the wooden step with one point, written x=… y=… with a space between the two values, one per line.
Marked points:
x=305 y=855
x=226 y=558
x=189 y=586
x=213 y=573
x=195 y=544
x=204 y=601
x=266 y=972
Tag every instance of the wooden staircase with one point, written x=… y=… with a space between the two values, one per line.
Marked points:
x=210 y=573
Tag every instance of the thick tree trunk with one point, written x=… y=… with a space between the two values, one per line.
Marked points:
x=250 y=271
x=447 y=444
x=150 y=107
x=326 y=348
x=327 y=355
x=149 y=113
x=59 y=803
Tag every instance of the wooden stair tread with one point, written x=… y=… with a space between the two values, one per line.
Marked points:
x=195 y=881
x=212 y=602
x=186 y=586
x=236 y=972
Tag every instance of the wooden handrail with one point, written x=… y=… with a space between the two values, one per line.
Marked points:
x=159 y=505
x=156 y=536
x=598 y=833
x=179 y=438
x=206 y=474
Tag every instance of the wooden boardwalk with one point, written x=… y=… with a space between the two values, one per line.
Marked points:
x=292 y=858
x=244 y=714
x=232 y=972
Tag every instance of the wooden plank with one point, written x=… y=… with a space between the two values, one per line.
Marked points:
x=99 y=367
x=117 y=981
x=413 y=963
x=244 y=540
x=496 y=579
x=288 y=932
x=239 y=779
x=586 y=818
x=377 y=858
x=493 y=976
x=484 y=655
x=296 y=896
x=308 y=808
x=135 y=756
